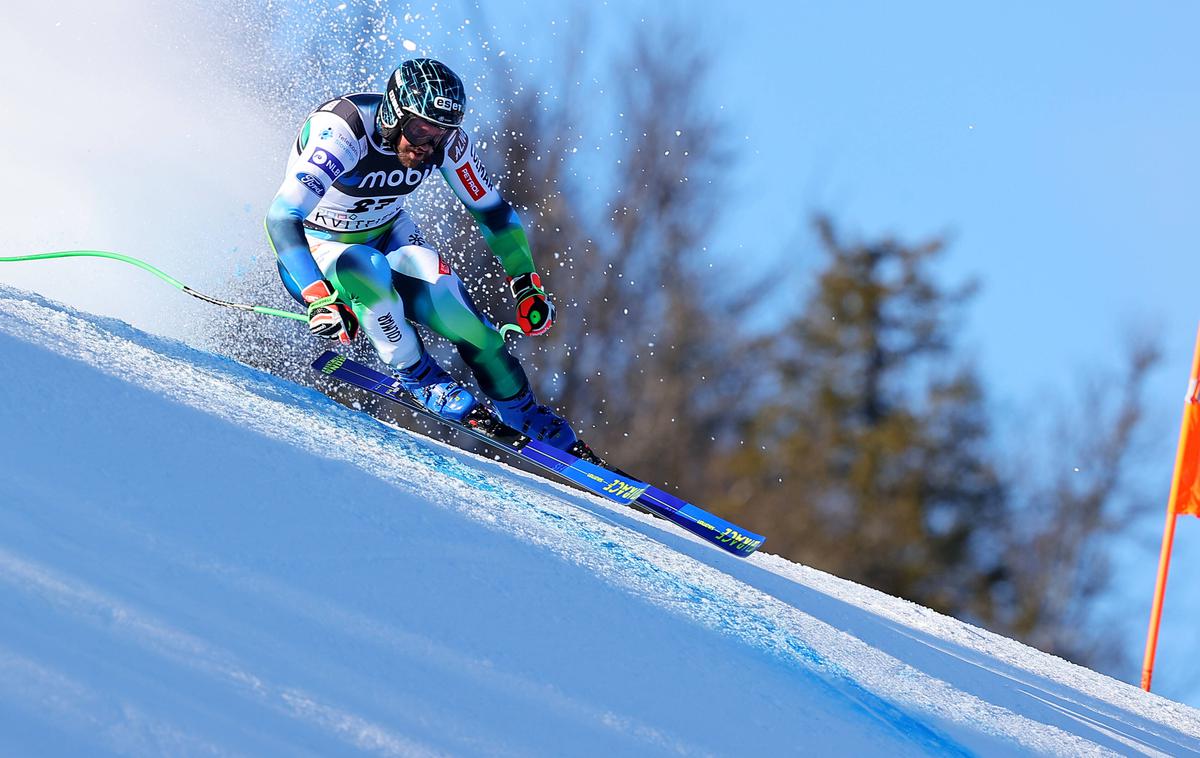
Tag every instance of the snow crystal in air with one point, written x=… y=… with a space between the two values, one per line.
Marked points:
x=409 y=45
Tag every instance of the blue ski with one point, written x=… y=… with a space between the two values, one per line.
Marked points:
x=614 y=485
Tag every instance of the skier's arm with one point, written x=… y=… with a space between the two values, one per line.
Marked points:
x=497 y=220
x=505 y=237
x=502 y=230
x=325 y=149
x=285 y=231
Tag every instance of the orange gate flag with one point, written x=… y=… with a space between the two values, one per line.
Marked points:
x=1184 y=500
x=1185 y=490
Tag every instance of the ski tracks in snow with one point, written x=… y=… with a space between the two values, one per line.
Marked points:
x=155 y=637
x=933 y=715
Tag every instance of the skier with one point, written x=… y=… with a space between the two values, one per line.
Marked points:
x=348 y=250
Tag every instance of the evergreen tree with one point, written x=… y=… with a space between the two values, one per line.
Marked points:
x=872 y=461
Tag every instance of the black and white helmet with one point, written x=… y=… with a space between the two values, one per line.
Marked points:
x=421 y=87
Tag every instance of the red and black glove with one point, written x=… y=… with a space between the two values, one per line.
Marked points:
x=327 y=316
x=535 y=312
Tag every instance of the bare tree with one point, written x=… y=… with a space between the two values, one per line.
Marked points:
x=647 y=353
x=1064 y=518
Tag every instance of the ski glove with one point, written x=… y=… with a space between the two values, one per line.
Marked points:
x=535 y=312
x=327 y=316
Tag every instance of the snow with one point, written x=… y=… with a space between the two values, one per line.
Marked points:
x=197 y=558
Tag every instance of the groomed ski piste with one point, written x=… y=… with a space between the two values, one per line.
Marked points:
x=197 y=558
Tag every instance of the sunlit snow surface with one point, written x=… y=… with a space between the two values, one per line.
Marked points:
x=199 y=559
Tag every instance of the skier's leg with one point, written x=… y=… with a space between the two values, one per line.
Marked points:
x=437 y=299
x=361 y=274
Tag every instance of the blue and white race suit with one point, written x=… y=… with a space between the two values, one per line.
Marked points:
x=339 y=215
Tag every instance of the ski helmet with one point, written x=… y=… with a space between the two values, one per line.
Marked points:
x=421 y=87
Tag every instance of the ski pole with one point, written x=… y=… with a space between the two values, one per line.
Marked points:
x=160 y=274
x=505 y=330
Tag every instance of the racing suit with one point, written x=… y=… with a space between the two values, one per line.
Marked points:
x=339 y=215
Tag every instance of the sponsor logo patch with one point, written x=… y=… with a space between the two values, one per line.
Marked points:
x=390 y=330
x=467 y=176
x=327 y=163
x=480 y=171
x=345 y=222
x=326 y=133
x=458 y=146
x=408 y=177
x=446 y=104
x=312 y=182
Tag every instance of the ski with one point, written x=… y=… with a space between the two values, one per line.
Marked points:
x=608 y=483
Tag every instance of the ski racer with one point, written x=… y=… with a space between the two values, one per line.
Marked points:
x=348 y=250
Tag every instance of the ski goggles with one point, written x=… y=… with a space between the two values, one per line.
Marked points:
x=419 y=132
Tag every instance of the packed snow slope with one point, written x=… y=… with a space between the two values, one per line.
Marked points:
x=197 y=558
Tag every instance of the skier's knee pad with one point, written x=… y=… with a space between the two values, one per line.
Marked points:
x=362 y=273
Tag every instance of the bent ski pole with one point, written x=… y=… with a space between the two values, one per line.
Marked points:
x=160 y=274
x=504 y=330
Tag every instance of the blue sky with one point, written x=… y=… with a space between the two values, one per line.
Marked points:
x=1051 y=145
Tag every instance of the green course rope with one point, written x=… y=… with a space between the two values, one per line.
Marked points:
x=504 y=330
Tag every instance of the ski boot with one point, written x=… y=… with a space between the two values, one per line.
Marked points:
x=523 y=414
x=535 y=421
x=437 y=390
